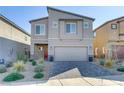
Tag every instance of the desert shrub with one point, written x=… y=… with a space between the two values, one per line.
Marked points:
x=19 y=66
x=109 y=63
x=3 y=68
x=38 y=75
x=22 y=57
x=102 y=62
x=38 y=68
x=30 y=60
x=34 y=63
x=102 y=56
x=41 y=61
x=13 y=77
x=25 y=59
x=121 y=69
x=9 y=64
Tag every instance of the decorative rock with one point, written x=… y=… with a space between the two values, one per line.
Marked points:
x=86 y=69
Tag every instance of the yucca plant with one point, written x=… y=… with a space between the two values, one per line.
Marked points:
x=19 y=66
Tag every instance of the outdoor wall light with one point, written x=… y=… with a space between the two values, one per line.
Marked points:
x=51 y=47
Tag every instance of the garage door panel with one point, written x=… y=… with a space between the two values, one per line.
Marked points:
x=70 y=53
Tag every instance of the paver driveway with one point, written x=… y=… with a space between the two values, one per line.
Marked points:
x=88 y=69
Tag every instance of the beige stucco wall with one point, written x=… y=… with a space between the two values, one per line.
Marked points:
x=121 y=27
x=12 y=33
x=105 y=36
x=101 y=39
x=57 y=37
x=38 y=39
x=12 y=41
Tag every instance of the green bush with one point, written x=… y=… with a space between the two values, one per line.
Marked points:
x=19 y=66
x=34 y=63
x=121 y=69
x=38 y=75
x=102 y=62
x=9 y=64
x=13 y=77
x=30 y=60
x=38 y=68
x=3 y=68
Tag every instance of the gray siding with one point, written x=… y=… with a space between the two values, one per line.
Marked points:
x=9 y=49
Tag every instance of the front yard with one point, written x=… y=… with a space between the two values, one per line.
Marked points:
x=114 y=66
x=25 y=71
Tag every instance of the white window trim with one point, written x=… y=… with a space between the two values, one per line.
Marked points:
x=75 y=28
x=40 y=26
x=115 y=25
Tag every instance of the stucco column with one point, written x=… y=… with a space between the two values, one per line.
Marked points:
x=90 y=50
x=32 y=49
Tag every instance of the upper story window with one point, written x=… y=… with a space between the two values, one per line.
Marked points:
x=113 y=26
x=70 y=27
x=40 y=29
x=25 y=38
x=86 y=25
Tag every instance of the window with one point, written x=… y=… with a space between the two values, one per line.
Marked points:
x=70 y=27
x=25 y=38
x=86 y=25
x=113 y=26
x=40 y=29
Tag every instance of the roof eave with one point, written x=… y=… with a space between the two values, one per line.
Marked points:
x=109 y=22
x=38 y=19
x=69 y=13
x=13 y=24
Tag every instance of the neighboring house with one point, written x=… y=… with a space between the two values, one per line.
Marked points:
x=110 y=37
x=62 y=35
x=13 y=40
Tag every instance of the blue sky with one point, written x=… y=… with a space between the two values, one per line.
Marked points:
x=21 y=15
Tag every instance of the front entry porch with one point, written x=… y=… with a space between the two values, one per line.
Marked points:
x=41 y=50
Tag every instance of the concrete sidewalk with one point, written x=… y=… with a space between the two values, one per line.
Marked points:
x=82 y=81
x=74 y=78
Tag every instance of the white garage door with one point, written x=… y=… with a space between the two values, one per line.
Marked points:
x=71 y=53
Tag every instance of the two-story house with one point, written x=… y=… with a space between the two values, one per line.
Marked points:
x=63 y=35
x=13 y=40
x=110 y=37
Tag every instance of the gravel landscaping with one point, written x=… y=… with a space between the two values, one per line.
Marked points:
x=28 y=73
x=87 y=69
x=115 y=67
